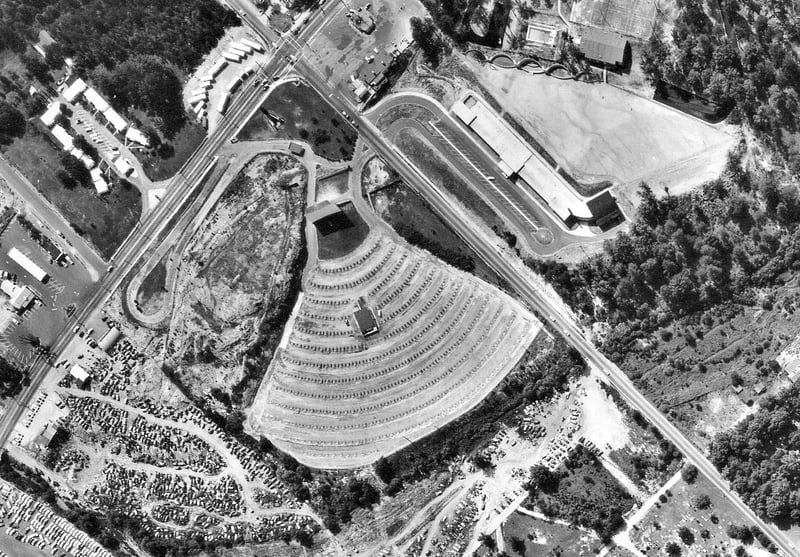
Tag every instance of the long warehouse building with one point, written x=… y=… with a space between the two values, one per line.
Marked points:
x=519 y=162
x=23 y=261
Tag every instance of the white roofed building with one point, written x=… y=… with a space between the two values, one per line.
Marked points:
x=94 y=99
x=63 y=137
x=50 y=115
x=100 y=184
x=74 y=90
x=123 y=166
x=137 y=137
x=115 y=119
x=80 y=375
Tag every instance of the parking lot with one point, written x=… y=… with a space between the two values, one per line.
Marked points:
x=57 y=298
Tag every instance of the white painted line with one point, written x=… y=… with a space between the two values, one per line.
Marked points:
x=493 y=186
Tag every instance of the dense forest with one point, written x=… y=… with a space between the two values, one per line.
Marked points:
x=132 y=49
x=747 y=58
x=759 y=458
x=685 y=254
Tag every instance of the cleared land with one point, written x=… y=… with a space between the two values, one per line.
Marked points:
x=540 y=537
x=708 y=525
x=597 y=132
x=238 y=276
x=297 y=112
x=335 y=400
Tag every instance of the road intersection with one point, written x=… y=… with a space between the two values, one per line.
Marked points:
x=285 y=59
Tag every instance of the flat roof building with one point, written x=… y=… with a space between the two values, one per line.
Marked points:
x=22 y=299
x=62 y=136
x=80 y=375
x=74 y=90
x=296 y=148
x=123 y=166
x=100 y=184
x=96 y=100
x=113 y=117
x=49 y=116
x=23 y=261
x=137 y=137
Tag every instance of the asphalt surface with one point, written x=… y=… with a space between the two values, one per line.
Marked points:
x=145 y=235
x=43 y=211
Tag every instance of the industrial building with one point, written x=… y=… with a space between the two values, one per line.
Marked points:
x=80 y=375
x=23 y=261
x=521 y=164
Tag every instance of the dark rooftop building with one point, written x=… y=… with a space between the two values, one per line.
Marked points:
x=328 y=217
x=365 y=319
x=605 y=47
x=605 y=211
x=371 y=75
x=296 y=148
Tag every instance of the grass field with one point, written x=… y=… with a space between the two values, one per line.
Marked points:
x=437 y=170
x=598 y=132
x=106 y=221
x=304 y=115
x=708 y=526
x=399 y=204
x=344 y=240
x=540 y=537
x=184 y=144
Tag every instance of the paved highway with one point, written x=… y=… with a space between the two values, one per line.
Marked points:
x=144 y=237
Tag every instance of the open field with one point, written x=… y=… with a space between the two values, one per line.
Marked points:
x=634 y=18
x=295 y=111
x=598 y=132
x=106 y=221
x=708 y=526
x=333 y=399
x=183 y=144
x=539 y=537
x=403 y=208
x=238 y=275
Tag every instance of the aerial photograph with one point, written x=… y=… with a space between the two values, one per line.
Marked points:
x=399 y=278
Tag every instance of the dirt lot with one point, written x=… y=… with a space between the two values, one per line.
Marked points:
x=106 y=221
x=297 y=112
x=599 y=132
x=238 y=268
x=540 y=536
x=661 y=524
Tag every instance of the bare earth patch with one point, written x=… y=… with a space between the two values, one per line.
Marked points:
x=599 y=132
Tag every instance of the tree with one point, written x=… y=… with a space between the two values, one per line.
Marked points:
x=686 y=535
x=518 y=545
x=12 y=122
x=702 y=501
x=384 y=470
x=672 y=549
x=542 y=478
x=689 y=473
x=487 y=540
x=427 y=37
